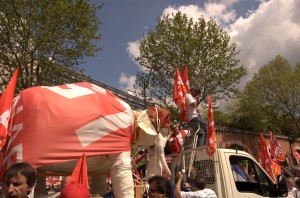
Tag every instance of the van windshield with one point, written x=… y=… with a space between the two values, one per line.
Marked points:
x=250 y=178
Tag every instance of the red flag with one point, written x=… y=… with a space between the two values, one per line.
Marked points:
x=266 y=160
x=5 y=106
x=185 y=78
x=296 y=155
x=80 y=174
x=276 y=150
x=211 y=146
x=178 y=94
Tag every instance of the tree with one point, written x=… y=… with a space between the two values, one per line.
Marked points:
x=44 y=38
x=272 y=98
x=203 y=46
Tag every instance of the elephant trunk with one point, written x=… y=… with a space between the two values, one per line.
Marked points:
x=157 y=161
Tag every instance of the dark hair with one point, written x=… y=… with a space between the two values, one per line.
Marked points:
x=297 y=183
x=199 y=182
x=24 y=169
x=162 y=184
x=196 y=90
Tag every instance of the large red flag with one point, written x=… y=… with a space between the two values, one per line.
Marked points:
x=211 y=146
x=296 y=155
x=185 y=78
x=5 y=106
x=80 y=174
x=52 y=126
x=276 y=150
x=178 y=94
x=266 y=160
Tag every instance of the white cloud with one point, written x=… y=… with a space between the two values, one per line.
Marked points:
x=268 y=31
x=273 y=28
x=126 y=82
x=219 y=12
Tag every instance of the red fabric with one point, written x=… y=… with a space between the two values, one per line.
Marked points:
x=54 y=125
x=80 y=174
x=211 y=145
x=296 y=155
x=185 y=78
x=178 y=95
x=276 y=150
x=5 y=107
x=73 y=190
x=266 y=160
x=176 y=147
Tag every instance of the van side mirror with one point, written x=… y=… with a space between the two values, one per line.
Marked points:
x=282 y=186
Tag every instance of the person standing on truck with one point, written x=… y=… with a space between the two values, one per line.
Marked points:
x=177 y=138
x=198 y=190
x=175 y=143
x=193 y=115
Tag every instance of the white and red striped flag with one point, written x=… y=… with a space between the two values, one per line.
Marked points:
x=266 y=160
x=211 y=146
x=185 y=78
x=5 y=107
x=179 y=91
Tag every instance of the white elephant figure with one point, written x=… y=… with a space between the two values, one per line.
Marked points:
x=51 y=127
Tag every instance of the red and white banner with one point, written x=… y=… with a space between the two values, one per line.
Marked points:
x=211 y=146
x=53 y=125
x=178 y=94
x=266 y=160
x=276 y=150
x=5 y=107
x=185 y=78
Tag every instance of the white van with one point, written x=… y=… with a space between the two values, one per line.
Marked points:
x=230 y=173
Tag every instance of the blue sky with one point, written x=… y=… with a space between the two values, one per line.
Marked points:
x=261 y=29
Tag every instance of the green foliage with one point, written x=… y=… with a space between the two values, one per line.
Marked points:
x=203 y=46
x=40 y=37
x=271 y=100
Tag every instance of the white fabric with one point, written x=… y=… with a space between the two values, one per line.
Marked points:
x=205 y=193
x=121 y=175
x=157 y=161
x=191 y=111
x=296 y=193
x=181 y=137
x=291 y=191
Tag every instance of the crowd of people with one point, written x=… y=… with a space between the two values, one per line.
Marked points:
x=20 y=179
x=293 y=182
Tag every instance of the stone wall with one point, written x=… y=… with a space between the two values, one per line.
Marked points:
x=249 y=141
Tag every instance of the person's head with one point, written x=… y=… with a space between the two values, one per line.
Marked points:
x=174 y=127
x=75 y=189
x=159 y=187
x=199 y=182
x=195 y=91
x=295 y=171
x=19 y=179
x=290 y=183
x=65 y=181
